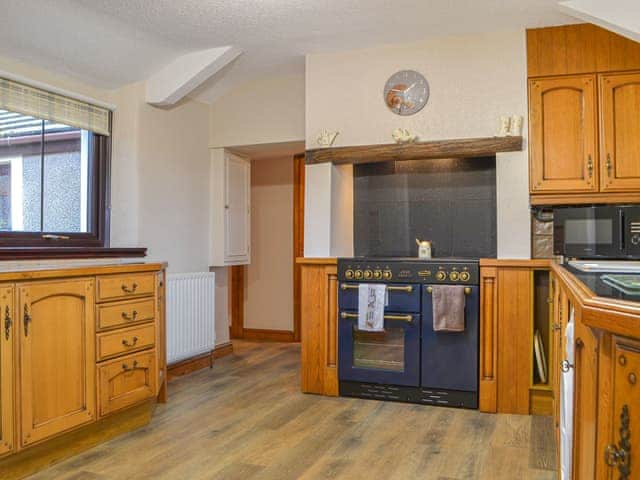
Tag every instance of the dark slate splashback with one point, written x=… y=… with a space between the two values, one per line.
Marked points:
x=451 y=202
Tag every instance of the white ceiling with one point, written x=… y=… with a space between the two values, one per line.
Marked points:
x=110 y=43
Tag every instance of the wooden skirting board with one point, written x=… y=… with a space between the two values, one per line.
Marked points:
x=60 y=448
x=199 y=362
x=268 y=335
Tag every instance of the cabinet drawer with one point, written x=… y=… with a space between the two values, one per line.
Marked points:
x=120 y=342
x=118 y=287
x=126 y=381
x=125 y=313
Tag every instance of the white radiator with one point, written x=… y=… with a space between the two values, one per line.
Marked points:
x=190 y=315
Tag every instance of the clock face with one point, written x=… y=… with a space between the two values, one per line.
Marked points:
x=406 y=92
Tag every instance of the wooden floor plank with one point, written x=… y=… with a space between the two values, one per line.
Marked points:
x=246 y=419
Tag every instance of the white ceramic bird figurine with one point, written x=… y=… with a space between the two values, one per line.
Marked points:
x=402 y=135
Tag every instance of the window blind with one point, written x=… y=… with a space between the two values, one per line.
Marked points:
x=35 y=102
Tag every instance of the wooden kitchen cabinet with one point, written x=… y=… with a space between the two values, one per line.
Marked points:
x=585 y=399
x=56 y=331
x=7 y=378
x=619 y=408
x=620 y=132
x=563 y=134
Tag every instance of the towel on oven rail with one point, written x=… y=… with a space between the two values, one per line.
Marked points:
x=372 y=298
x=448 y=308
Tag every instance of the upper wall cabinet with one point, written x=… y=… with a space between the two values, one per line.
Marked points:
x=620 y=132
x=584 y=128
x=563 y=134
x=230 y=209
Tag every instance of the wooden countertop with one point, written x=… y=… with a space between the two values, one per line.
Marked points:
x=317 y=261
x=39 y=272
x=613 y=315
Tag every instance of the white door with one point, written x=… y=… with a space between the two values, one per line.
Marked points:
x=237 y=208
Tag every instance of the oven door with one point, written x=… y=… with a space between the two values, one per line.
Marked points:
x=389 y=357
x=588 y=232
x=450 y=359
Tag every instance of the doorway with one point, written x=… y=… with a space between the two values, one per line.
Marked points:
x=264 y=296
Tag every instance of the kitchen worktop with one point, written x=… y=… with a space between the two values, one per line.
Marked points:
x=603 y=307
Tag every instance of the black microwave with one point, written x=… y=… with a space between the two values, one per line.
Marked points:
x=600 y=231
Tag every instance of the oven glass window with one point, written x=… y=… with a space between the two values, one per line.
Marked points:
x=379 y=350
x=589 y=231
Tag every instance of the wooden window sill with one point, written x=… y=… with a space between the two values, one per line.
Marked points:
x=43 y=253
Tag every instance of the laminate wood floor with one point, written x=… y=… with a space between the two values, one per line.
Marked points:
x=246 y=419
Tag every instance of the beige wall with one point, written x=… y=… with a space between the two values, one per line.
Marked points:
x=267 y=110
x=269 y=279
x=160 y=164
x=473 y=80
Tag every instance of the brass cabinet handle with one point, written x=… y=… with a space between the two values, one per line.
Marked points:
x=467 y=290
x=402 y=318
x=609 y=164
x=126 y=343
x=556 y=326
x=130 y=318
x=620 y=455
x=126 y=368
x=133 y=288
x=590 y=166
x=7 y=322
x=26 y=319
x=351 y=286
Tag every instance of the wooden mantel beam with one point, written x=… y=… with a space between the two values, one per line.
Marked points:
x=457 y=148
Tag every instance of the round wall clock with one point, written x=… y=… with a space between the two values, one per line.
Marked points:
x=406 y=92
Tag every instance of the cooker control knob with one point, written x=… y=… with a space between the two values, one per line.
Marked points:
x=387 y=275
x=453 y=276
x=441 y=275
x=368 y=274
x=358 y=274
x=635 y=239
x=348 y=274
x=377 y=274
x=464 y=276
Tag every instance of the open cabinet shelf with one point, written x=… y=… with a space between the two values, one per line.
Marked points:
x=540 y=390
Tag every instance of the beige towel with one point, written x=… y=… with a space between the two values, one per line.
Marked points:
x=448 y=308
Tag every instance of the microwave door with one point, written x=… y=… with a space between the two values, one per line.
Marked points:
x=588 y=232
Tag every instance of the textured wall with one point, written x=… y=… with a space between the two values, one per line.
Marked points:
x=473 y=79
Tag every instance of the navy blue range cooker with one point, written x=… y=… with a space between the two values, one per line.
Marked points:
x=408 y=361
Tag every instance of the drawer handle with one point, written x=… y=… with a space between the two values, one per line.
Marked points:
x=133 y=288
x=130 y=318
x=126 y=368
x=133 y=343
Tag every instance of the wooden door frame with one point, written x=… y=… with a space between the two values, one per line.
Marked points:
x=236 y=273
x=298 y=239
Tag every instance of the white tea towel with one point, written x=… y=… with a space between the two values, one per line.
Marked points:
x=372 y=299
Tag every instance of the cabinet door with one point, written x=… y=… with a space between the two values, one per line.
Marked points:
x=585 y=400
x=620 y=132
x=558 y=328
x=57 y=357
x=563 y=135
x=7 y=379
x=126 y=381
x=623 y=412
x=237 y=213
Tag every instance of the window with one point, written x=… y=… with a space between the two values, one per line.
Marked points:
x=53 y=183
